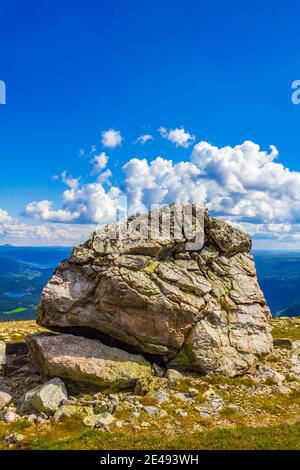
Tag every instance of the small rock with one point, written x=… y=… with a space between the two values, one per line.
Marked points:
x=136 y=428
x=59 y=415
x=158 y=371
x=103 y=419
x=205 y=412
x=161 y=396
x=284 y=390
x=295 y=370
x=139 y=406
x=295 y=359
x=2 y=354
x=5 y=399
x=14 y=438
x=144 y=424
x=183 y=397
x=11 y=417
x=234 y=408
x=151 y=410
x=213 y=406
x=193 y=392
x=210 y=393
x=296 y=344
x=217 y=404
x=295 y=386
x=90 y=421
x=114 y=398
x=268 y=375
x=47 y=397
x=41 y=420
x=132 y=399
x=173 y=374
x=119 y=424
x=32 y=418
x=181 y=413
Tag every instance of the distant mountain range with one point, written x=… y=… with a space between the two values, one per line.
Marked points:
x=25 y=270
x=23 y=273
x=279 y=277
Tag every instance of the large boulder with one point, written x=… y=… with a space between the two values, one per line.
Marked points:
x=87 y=361
x=198 y=307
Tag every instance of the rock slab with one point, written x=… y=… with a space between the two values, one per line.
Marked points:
x=87 y=361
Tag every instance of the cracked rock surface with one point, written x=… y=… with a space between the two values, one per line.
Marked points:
x=200 y=310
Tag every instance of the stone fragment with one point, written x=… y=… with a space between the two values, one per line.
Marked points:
x=158 y=371
x=269 y=376
x=5 y=399
x=173 y=374
x=161 y=396
x=3 y=358
x=11 y=417
x=47 y=397
x=14 y=438
x=151 y=410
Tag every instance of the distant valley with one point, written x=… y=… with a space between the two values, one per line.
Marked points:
x=25 y=270
x=23 y=273
x=279 y=277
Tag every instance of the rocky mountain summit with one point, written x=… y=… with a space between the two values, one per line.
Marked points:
x=159 y=299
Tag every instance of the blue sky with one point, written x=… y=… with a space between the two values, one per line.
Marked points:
x=221 y=70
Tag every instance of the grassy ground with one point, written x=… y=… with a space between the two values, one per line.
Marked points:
x=15 y=331
x=286 y=328
x=72 y=435
x=252 y=417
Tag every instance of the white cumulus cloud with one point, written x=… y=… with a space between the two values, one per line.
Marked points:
x=15 y=231
x=179 y=136
x=5 y=218
x=142 y=139
x=161 y=182
x=90 y=204
x=104 y=176
x=111 y=138
x=242 y=184
x=69 y=180
x=100 y=162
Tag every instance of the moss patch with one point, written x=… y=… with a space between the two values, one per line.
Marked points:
x=150 y=268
